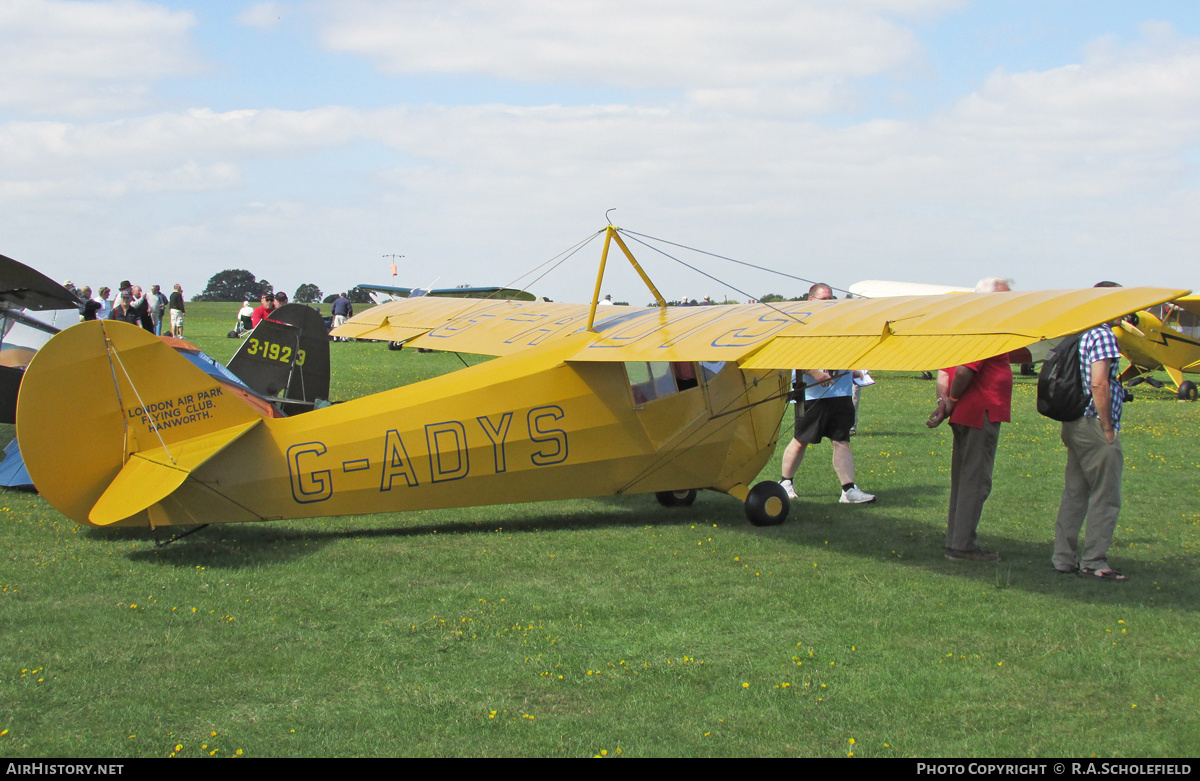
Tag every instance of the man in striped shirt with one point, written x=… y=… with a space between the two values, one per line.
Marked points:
x=1094 y=462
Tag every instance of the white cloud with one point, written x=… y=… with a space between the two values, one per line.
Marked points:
x=701 y=46
x=89 y=58
x=262 y=16
x=1031 y=176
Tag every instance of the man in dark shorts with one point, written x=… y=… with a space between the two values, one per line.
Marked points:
x=828 y=411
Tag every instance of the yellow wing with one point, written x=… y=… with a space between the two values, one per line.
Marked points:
x=904 y=333
x=465 y=325
x=1190 y=303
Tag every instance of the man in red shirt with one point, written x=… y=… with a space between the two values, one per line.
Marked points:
x=264 y=311
x=977 y=398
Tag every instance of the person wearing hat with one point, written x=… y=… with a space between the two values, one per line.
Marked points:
x=263 y=312
x=124 y=309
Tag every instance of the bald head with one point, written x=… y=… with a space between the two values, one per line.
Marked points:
x=820 y=292
x=994 y=285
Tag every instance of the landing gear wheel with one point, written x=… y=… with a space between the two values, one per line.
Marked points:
x=767 y=504
x=676 y=498
x=395 y=345
x=1028 y=370
x=1187 y=390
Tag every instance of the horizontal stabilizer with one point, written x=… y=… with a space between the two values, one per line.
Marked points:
x=148 y=477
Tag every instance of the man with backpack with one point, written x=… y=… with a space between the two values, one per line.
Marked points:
x=1094 y=461
x=977 y=398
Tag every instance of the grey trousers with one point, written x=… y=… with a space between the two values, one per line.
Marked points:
x=970 y=481
x=1092 y=492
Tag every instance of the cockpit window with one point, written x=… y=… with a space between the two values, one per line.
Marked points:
x=650 y=380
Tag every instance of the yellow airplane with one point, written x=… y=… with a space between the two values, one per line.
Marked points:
x=580 y=401
x=1151 y=343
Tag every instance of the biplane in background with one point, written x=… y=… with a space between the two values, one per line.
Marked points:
x=1152 y=340
x=579 y=401
x=33 y=307
x=30 y=304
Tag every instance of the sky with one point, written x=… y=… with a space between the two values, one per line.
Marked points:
x=1055 y=142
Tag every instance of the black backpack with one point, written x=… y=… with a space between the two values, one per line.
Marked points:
x=1060 y=393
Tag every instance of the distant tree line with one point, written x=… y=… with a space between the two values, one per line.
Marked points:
x=238 y=284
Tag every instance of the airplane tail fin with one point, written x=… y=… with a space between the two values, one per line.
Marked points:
x=288 y=353
x=111 y=420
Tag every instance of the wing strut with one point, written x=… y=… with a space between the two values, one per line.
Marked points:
x=610 y=233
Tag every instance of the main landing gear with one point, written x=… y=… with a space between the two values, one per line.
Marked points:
x=767 y=503
x=676 y=498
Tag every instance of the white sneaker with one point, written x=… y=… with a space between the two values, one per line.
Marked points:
x=787 y=486
x=857 y=496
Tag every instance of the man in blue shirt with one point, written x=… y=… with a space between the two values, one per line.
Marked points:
x=828 y=412
x=1094 y=462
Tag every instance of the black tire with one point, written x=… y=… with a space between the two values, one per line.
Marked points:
x=676 y=498
x=1187 y=390
x=926 y=375
x=767 y=504
x=395 y=345
x=1028 y=370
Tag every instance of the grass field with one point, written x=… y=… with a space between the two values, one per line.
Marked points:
x=615 y=627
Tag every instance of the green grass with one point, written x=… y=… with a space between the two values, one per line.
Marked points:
x=613 y=625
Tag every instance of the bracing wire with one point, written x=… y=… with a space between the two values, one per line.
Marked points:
x=710 y=276
x=721 y=257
